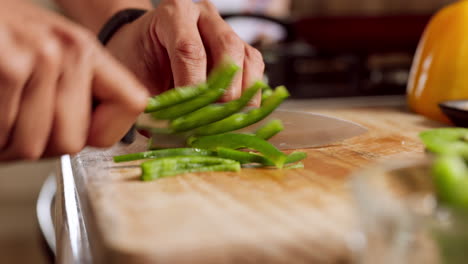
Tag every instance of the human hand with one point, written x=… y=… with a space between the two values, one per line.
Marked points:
x=50 y=69
x=178 y=42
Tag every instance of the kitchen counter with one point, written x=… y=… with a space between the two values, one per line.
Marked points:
x=255 y=216
x=20 y=238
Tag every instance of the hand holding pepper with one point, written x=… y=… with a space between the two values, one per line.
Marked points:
x=175 y=44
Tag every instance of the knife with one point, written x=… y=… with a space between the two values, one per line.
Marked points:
x=301 y=130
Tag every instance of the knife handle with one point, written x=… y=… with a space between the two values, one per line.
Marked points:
x=130 y=137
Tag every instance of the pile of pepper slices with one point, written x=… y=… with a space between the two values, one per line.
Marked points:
x=193 y=112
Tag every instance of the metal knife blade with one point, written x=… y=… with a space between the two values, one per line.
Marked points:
x=302 y=130
x=307 y=130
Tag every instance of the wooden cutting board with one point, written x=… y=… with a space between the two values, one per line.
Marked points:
x=255 y=216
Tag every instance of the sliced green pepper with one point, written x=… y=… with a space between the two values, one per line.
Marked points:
x=171 y=166
x=241 y=120
x=270 y=129
x=237 y=141
x=266 y=93
x=451 y=180
x=218 y=84
x=241 y=156
x=247 y=157
x=296 y=156
x=446 y=140
x=174 y=96
x=164 y=153
x=213 y=113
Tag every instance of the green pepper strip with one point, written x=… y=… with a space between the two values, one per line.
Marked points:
x=248 y=158
x=163 y=153
x=266 y=93
x=241 y=156
x=217 y=86
x=237 y=141
x=270 y=129
x=446 y=140
x=451 y=180
x=213 y=113
x=171 y=166
x=174 y=96
x=241 y=120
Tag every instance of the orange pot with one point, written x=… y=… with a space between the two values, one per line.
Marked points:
x=440 y=67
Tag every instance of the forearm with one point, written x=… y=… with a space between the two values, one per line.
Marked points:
x=94 y=13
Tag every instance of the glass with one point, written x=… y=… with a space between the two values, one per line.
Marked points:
x=401 y=221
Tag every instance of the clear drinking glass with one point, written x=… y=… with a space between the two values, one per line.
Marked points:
x=401 y=221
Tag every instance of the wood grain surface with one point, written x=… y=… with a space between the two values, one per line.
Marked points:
x=255 y=216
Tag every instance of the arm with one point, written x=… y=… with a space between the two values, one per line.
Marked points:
x=93 y=14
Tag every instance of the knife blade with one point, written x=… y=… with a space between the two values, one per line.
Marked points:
x=308 y=130
x=301 y=130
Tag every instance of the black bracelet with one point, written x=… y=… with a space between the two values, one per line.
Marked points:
x=108 y=30
x=117 y=21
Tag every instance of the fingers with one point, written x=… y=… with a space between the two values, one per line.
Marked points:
x=221 y=41
x=181 y=38
x=34 y=121
x=13 y=77
x=122 y=98
x=253 y=71
x=72 y=104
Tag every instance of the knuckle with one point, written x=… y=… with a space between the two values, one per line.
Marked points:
x=190 y=51
x=48 y=52
x=83 y=45
x=232 y=42
x=255 y=57
x=164 y=10
x=178 y=3
x=83 y=40
x=208 y=6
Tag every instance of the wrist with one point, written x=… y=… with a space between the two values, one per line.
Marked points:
x=118 y=5
x=117 y=21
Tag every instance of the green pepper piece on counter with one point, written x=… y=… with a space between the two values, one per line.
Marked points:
x=446 y=140
x=241 y=156
x=171 y=166
x=270 y=129
x=164 y=153
x=237 y=141
x=241 y=120
x=295 y=157
x=295 y=166
x=215 y=112
x=451 y=180
x=248 y=158
x=217 y=85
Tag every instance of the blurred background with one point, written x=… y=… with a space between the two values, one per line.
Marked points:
x=317 y=48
